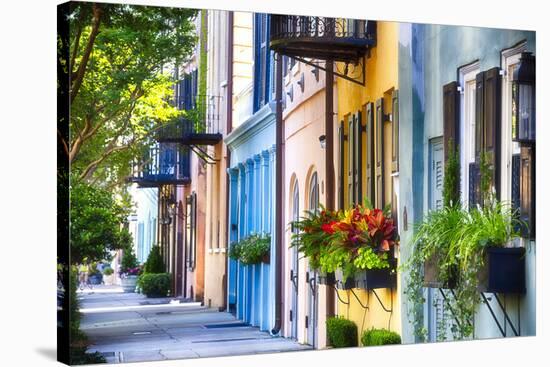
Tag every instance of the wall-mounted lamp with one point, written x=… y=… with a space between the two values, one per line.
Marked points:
x=523 y=100
x=323 y=141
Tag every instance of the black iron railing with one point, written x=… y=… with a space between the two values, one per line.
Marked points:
x=321 y=37
x=202 y=110
x=164 y=163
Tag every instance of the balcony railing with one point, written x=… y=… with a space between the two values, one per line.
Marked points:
x=200 y=126
x=322 y=38
x=164 y=164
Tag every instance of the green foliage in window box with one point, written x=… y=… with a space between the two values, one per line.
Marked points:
x=252 y=249
x=380 y=337
x=154 y=263
x=341 y=332
x=155 y=285
x=456 y=239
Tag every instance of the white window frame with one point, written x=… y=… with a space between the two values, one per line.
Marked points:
x=467 y=82
x=509 y=61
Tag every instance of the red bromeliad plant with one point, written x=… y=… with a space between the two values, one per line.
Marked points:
x=309 y=233
x=359 y=239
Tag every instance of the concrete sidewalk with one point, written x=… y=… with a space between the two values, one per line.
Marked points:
x=128 y=327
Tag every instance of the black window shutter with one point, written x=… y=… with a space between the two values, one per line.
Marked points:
x=379 y=156
x=492 y=124
x=473 y=185
x=515 y=181
x=480 y=88
x=351 y=160
x=395 y=132
x=369 y=172
x=358 y=152
x=450 y=116
x=527 y=190
x=341 y=155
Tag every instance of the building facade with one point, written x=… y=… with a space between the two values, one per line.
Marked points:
x=251 y=170
x=446 y=75
x=304 y=181
x=368 y=166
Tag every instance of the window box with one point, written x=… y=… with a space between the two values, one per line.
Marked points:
x=432 y=277
x=378 y=278
x=503 y=271
x=326 y=278
x=349 y=283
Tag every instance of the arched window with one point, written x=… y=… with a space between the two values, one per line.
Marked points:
x=313 y=193
x=296 y=203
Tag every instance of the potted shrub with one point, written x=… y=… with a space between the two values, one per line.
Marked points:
x=379 y=337
x=95 y=277
x=108 y=276
x=155 y=284
x=129 y=270
x=341 y=332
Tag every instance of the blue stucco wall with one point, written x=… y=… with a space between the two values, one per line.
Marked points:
x=251 y=291
x=429 y=57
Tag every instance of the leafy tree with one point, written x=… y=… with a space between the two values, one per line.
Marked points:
x=119 y=89
x=96 y=223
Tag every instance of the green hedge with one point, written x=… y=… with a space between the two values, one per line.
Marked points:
x=341 y=332
x=380 y=337
x=155 y=285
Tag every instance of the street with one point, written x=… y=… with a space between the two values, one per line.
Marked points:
x=128 y=327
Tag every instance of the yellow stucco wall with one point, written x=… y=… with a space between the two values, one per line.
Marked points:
x=381 y=80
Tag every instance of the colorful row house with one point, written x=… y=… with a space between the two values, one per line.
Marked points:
x=287 y=113
x=251 y=142
x=457 y=83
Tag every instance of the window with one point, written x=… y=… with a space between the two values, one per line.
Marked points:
x=314 y=193
x=467 y=126
x=261 y=61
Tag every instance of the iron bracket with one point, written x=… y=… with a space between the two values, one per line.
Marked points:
x=361 y=61
x=506 y=317
x=366 y=307
x=390 y=310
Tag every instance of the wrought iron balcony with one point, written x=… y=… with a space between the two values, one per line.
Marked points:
x=164 y=164
x=323 y=38
x=201 y=126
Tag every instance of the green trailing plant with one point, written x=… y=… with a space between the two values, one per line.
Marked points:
x=456 y=239
x=155 y=262
x=252 y=249
x=155 y=285
x=235 y=251
x=341 y=332
x=451 y=181
x=379 y=337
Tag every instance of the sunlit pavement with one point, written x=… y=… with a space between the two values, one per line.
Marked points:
x=128 y=327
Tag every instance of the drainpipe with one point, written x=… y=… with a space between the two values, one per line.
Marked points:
x=329 y=160
x=278 y=199
x=228 y=128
